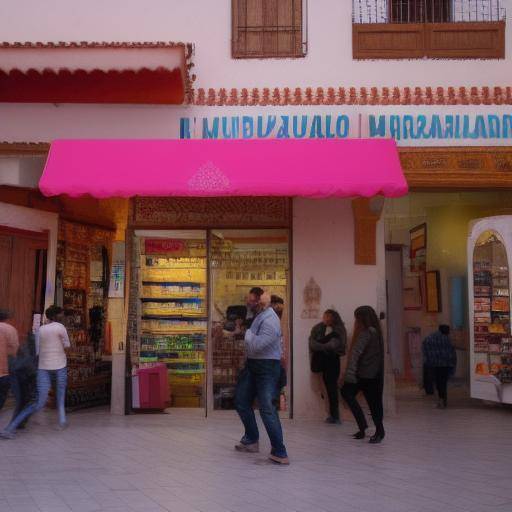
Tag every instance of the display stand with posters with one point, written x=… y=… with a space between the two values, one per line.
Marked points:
x=489 y=249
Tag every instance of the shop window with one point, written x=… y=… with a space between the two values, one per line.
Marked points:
x=190 y=297
x=268 y=29
x=398 y=29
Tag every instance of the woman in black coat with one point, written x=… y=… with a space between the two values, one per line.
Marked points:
x=365 y=372
x=327 y=344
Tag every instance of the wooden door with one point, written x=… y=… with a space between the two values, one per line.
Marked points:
x=23 y=271
x=5 y=269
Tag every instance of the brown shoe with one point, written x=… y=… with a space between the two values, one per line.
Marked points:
x=248 y=448
x=284 y=461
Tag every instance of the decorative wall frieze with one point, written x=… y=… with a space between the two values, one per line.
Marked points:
x=204 y=212
x=460 y=167
x=352 y=96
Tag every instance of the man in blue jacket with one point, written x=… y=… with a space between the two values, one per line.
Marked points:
x=260 y=378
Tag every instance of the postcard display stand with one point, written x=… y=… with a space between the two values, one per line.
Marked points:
x=489 y=249
x=174 y=315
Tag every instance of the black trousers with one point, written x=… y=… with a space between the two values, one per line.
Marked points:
x=331 y=375
x=372 y=390
x=442 y=374
x=5 y=386
x=428 y=379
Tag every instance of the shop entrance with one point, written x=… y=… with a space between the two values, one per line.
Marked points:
x=192 y=315
x=426 y=237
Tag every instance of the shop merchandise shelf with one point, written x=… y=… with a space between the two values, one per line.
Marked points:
x=173 y=316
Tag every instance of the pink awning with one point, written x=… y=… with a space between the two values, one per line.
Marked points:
x=196 y=167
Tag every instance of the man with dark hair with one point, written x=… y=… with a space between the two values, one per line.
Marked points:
x=9 y=344
x=439 y=361
x=260 y=378
x=277 y=304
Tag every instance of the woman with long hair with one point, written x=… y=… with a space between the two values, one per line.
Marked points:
x=327 y=344
x=365 y=372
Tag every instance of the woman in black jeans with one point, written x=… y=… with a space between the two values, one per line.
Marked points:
x=365 y=372
x=327 y=344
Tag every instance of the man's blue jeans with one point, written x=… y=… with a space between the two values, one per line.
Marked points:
x=44 y=384
x=259 y=380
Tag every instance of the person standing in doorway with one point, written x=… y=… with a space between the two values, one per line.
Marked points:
x=259 y=379
x=327 y=343
x=439 y=360
x=51 y=342
x=9 y=344
x=365 y=372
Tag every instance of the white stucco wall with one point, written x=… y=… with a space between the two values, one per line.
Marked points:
x=323 y=248
x=29 y=219
x=207 y=23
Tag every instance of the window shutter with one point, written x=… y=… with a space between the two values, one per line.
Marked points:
x=266 y=28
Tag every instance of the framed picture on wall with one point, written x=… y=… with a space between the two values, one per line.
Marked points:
x=433 y=291
x=418 y=248
x=412 y=295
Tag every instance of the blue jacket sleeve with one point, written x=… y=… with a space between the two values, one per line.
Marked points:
x=268 y=333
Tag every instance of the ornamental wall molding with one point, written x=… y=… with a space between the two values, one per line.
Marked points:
x=383 y=96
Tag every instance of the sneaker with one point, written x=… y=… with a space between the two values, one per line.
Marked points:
x=248 y=448
x=332 y=421
x=62 y=426
x=284 y=461
x=7 y=435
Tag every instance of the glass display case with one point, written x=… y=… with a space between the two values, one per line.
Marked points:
x=491 y=340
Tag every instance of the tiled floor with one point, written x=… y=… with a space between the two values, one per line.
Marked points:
x=454 y=460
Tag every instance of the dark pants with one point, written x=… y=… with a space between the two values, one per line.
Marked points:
x=5 y=386
x=331 y=374
x=372 y=390
x=428 y=379
x=23 y=388
x=442 y=374
x=259 y=380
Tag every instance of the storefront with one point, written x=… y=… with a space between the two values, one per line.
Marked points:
x=59 y=251
x=194 y=257
x=332 y=245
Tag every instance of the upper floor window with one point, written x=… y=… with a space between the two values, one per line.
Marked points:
x=268 y=29
x=419 y=11
x=398 y=29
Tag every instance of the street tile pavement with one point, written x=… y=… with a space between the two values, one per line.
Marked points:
x=456 y=460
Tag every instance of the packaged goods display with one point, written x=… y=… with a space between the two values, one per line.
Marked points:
x=174 y=315
x=491 y=309
x=238 y=264
x=82 y=277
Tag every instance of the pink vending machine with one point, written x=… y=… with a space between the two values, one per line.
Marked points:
x=153 y=387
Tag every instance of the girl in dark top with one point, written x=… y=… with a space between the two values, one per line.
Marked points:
x=327 y=344
x=365 y=372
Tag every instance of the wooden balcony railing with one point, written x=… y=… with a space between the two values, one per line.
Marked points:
x=412 y=29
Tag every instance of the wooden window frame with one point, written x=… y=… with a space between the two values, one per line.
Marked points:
x=237 y=52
